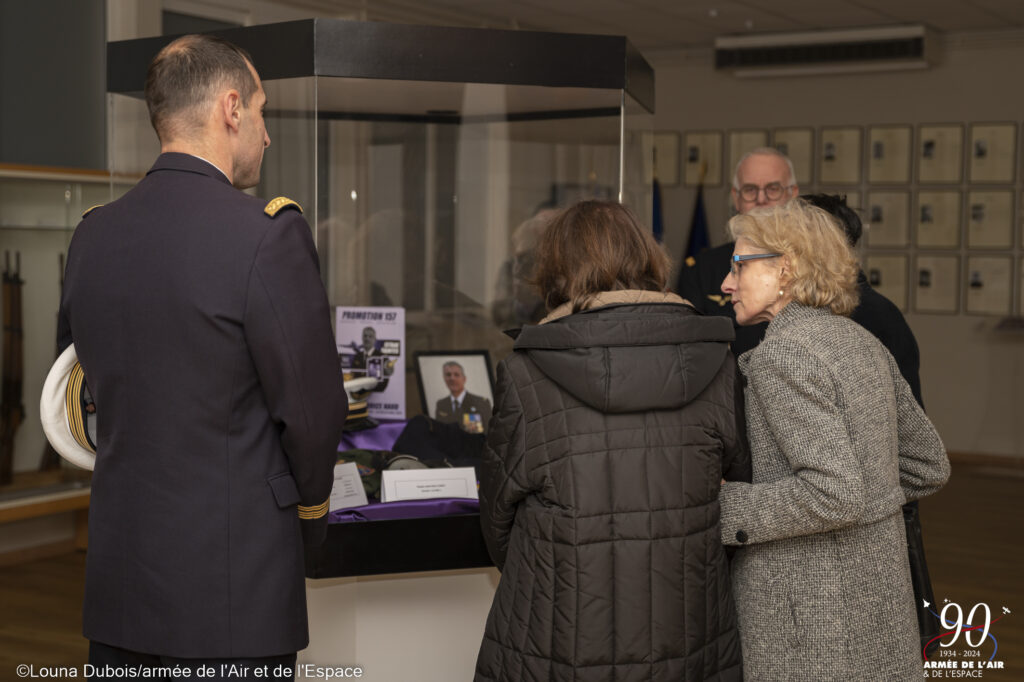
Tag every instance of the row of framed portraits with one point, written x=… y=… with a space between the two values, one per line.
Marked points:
x=937 y=280
x=847 y=155
x=934 y=219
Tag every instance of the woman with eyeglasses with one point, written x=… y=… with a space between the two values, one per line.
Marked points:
x=838 y=444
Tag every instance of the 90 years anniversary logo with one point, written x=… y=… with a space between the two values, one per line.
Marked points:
x=967 y=647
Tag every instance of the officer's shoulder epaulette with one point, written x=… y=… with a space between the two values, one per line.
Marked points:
x=279 y=204
x=90 y=210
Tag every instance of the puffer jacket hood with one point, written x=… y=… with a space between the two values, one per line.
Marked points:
x=593 y=355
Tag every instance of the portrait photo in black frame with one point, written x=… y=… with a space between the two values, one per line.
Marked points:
x=437 y=376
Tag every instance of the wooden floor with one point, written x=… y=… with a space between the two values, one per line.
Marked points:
x=41 y=613
x=973 y=532
x=973 y=535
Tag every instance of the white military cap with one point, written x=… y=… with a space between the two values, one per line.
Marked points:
x=60 y=410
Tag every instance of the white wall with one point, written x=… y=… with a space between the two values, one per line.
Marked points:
x=971 y=375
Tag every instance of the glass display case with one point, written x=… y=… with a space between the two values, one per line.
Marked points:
x=420 y=155
x=39 y=208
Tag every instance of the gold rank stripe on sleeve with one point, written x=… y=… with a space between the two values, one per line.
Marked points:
x=73 y=404
x=314 y=512
x=279 y=204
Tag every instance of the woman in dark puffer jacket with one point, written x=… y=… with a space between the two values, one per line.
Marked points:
x=615 y=421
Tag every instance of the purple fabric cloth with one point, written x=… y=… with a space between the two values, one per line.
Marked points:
x=408 y=509
x=382 y=437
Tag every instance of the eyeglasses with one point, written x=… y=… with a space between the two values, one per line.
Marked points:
x=772 y=191
x=737 y=260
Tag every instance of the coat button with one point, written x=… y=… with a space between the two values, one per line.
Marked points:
x=741 y=536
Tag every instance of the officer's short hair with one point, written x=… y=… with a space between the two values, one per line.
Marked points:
x=184 y=75
x=836 y=205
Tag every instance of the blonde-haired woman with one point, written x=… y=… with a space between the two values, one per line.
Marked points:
x=838 y=444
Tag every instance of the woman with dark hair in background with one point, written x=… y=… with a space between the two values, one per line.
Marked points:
x=615 y=420
x=838 y=444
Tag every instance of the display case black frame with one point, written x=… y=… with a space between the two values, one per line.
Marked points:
x=342 y=48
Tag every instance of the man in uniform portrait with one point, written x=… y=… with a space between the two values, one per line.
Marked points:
x=367 y=350
x=370 y=358
x=471 y=412
x=202 y=326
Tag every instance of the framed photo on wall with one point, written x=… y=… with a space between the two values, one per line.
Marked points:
x=839 y=156
x=993 y=152
x=889 y=154
x=887 y=274
x=990 y=219
x=989 y=285
x=936 y=283
x=937 y=219
x=940 y=153
x=741 y=142
x=702 y=158
x=661 y=154
x=887 y=218
x=456 y=387
x=798 y=145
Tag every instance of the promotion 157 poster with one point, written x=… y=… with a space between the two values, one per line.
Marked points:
x=370 y=344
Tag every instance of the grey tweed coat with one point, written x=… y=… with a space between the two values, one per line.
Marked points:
x=838 y=444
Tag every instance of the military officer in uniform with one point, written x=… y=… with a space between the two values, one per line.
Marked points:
x=368 y=349
x=763 y=177
x=201 y=323
x=381 y=368
x=471 y=412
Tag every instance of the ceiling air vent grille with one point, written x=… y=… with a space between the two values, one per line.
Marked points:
x=856 y=50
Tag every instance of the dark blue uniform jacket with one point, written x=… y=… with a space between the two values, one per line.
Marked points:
x=204 y=332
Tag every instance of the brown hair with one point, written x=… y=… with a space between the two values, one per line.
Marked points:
x=824 y=267
x=183 y=76
x=596 y=246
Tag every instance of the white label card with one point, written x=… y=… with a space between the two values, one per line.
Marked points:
x=348 y=487
x=424 y=484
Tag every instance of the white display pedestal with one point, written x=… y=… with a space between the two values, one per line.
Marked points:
x=425 y=627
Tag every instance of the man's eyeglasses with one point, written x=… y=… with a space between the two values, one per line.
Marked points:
x=737 y=260
x=773 y=191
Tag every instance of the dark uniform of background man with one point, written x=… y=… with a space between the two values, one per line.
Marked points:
x=763 y=177
x=202 y=325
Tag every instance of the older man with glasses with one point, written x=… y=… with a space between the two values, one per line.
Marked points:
x=763 y=177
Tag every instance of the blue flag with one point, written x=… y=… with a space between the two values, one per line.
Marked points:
x=657 y=224
x=698 y=240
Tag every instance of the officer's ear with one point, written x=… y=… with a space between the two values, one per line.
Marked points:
x=229 y=106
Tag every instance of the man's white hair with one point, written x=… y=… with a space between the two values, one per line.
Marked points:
x=452 y=363
x=763 y=151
